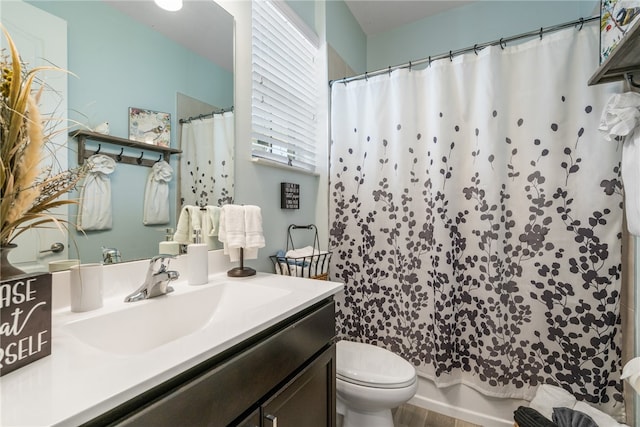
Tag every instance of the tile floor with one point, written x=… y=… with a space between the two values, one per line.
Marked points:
x=409 y=415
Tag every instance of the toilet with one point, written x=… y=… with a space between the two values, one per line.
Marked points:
x=370 y=381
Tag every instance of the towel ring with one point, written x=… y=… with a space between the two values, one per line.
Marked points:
x=139 y=159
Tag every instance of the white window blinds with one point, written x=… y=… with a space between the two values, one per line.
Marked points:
x=284 y=93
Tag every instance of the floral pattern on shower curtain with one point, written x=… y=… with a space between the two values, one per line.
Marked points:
x=206 y=162
x=476 y=217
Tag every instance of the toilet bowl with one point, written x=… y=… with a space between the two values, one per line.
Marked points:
x=370 y=381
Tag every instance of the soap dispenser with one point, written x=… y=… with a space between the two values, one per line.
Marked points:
x=169 y=247
x=197 y=261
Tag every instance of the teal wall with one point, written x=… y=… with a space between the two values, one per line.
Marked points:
x=345 y=36
x=118 y=64
x=459 y=28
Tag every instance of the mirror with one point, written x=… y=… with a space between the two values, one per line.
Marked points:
x=136 y=55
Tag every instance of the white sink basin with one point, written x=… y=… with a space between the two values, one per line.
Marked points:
x=144 y=325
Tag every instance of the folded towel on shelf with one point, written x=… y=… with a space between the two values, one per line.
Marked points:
x=621 y=119
x=156 y=194
x=188 y=222
x=94 y=212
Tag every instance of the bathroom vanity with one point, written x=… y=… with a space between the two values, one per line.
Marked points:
x=255 y=351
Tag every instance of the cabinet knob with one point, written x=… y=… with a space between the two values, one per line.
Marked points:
x=272 y=419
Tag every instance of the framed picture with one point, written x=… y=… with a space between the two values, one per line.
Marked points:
x=616 y=18
x=150 y=127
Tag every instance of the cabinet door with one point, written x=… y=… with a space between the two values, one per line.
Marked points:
x=309 y=400
x=252 y=420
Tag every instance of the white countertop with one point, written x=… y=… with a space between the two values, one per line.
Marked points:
x=78 y=382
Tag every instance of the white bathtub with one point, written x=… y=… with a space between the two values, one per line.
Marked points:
x=463 y=402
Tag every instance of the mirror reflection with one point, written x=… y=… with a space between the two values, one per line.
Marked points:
x=137 y=57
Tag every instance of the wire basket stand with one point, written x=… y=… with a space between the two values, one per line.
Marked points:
x=314 y=266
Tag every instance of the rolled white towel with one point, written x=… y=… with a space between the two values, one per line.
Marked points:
x=156 y=195
x=188 y=222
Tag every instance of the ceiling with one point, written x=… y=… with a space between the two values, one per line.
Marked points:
x=377 y=16
x=199 y=22
x=202 y=26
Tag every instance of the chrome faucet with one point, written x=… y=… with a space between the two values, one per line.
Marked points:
x=157 y=281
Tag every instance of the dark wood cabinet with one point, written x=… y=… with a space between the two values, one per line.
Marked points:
x=308 y=400
x=283 y=376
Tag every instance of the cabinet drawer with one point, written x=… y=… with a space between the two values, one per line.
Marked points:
x=229 y=389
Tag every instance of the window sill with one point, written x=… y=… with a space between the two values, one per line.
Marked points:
x=278 y=165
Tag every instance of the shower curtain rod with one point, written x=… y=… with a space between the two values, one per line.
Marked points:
x=475 y=48
x=204 y=116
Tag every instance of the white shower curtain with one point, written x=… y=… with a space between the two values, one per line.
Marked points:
x=476 y=219
x=206 y=163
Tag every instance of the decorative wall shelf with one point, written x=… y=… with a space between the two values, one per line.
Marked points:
x=623 y=63
x=82 y=136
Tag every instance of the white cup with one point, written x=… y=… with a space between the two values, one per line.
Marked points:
x=86 y=287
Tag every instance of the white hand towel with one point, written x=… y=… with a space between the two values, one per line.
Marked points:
x=211 y=225
x=94 y=212
x=620 y=118
x=253 y=231
x=156 y=194
x=188 y=222
x=232 y=230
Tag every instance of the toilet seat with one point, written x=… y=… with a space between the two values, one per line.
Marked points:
x=372 y=366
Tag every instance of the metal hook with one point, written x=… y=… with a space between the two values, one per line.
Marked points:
x=159 y=158
x=541 y=30
x=119 y=156
x=501 y=44
x=139 y=159
x=98 y=150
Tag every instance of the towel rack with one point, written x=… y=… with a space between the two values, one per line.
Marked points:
x=140 y=160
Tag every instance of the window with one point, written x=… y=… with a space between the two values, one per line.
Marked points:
x=284 y=94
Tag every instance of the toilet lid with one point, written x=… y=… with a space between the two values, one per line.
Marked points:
x=369 y=365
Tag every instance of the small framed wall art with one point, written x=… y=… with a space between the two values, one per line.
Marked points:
x=150 y=127
x=616 y=18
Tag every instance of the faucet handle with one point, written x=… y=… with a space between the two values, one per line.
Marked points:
x=162 y=259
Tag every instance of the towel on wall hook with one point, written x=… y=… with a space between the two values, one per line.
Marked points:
x=621 y=122
x=94 y=211
x=156 y=194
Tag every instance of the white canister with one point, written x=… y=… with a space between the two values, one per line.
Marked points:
x=86 y=287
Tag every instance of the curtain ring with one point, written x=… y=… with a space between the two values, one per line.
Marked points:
x=389 y=70
x=429 y=61
x=366 y=76
x=540 y=33
x=581 y=23
x=344 y=80
x=475 y=48
x=502 y=44
x=409 y=65
x=451 y=56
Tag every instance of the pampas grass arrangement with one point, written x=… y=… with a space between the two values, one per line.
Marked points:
x=28 y=192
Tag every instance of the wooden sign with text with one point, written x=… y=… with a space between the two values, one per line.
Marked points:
x=25 y=321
